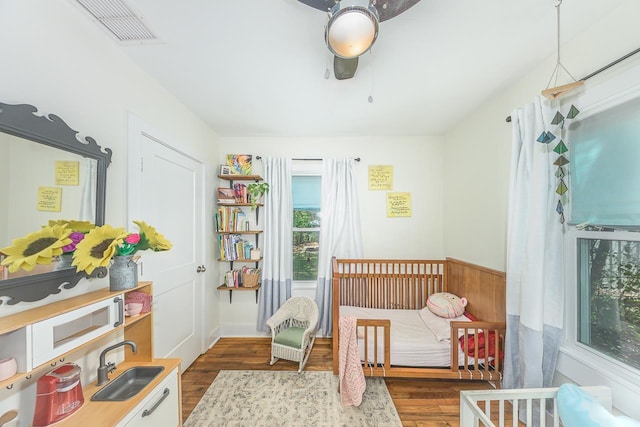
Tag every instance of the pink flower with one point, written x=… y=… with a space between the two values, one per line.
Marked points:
x=132 y=238
x=75 y=237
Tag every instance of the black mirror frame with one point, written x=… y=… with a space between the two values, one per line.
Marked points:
x=22 y=121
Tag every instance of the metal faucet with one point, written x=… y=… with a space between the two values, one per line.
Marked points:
x=105 y=368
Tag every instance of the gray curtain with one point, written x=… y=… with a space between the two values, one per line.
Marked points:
x=277 y=248
x=340 y=231
x=535 y=296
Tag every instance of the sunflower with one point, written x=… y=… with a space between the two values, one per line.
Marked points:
x=97 y=248
x=74 y=225
x=36 y=248
x=151 y=239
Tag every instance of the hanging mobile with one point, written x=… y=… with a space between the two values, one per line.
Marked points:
x=558 y=91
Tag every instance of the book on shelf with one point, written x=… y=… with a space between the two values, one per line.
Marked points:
x=245 y=277
x=241 y=194
x=232 y=247
x=231 y=219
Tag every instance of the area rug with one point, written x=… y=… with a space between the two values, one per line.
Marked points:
x=278 y=398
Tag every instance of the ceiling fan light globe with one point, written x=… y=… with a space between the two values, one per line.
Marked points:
x=352 y=29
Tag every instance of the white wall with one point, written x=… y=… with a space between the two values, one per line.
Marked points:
x=55 y=58
x=417 y=169
x=477 y=156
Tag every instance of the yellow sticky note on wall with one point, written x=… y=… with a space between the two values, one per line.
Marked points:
x=398 y=205
x=49 y=199
x=380 y=177
x=67 y=172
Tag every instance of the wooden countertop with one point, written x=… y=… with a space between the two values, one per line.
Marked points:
x=110 y=413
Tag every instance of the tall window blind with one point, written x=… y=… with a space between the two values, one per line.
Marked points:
x=605 y=167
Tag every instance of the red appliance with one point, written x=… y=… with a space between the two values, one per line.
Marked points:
x=59 y=394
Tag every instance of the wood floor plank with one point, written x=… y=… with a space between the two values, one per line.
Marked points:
x=420 y=402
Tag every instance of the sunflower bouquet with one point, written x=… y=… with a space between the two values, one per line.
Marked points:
x=103 y=243
x=78 y=230
x=91 y=246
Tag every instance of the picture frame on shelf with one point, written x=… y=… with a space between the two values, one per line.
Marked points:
x=225 y=170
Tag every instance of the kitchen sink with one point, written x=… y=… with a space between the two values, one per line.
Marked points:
x=127 y=384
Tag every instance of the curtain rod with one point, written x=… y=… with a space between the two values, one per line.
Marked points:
x=357 y=159
x=595 y=73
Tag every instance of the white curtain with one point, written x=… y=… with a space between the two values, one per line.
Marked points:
x=340 y=233
x=277 y=263
x=89 y=186
x=534 y=255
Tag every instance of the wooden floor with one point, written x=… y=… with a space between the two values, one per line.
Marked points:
x=420 y=402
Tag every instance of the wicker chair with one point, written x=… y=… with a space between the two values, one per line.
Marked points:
x=293 y=330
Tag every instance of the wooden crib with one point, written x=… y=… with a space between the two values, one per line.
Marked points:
x=500 y=408
x=406 y=284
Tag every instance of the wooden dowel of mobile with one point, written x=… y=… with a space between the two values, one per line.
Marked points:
x=558 y=91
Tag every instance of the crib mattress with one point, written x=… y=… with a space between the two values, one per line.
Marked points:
x=412 y=341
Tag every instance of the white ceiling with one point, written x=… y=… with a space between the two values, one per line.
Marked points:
x=256 y=67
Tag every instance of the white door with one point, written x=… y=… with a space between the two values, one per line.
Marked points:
x=166 y=193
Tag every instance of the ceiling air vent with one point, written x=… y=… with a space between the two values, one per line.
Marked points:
x=119 y=19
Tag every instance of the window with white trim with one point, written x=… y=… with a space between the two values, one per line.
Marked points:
x=608 y=295
x=603 y=315
x=306 y=184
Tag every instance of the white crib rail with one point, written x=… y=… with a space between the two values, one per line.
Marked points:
x=510 y=401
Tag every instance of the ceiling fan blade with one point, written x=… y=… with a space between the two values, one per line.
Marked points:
x=344 y=69
x=389 y=9
x=323 y=5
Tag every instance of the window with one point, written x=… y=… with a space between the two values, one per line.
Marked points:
x=306 y=226
x=601 y=291
x=608 y=296
x=604 y=172
x=604 y=194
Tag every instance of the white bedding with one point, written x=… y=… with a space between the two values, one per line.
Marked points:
x=413 y=343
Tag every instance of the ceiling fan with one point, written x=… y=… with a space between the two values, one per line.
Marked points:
x=352 y=28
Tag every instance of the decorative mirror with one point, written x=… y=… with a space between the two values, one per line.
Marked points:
x=47 y=173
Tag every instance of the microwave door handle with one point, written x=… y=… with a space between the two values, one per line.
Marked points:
x=120 y=303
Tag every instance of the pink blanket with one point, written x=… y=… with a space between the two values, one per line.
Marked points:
x=352 y=382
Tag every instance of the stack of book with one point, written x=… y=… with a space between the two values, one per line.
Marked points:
x=230 y=219
x=226 y=196
x=241 y=194
x=233 y=247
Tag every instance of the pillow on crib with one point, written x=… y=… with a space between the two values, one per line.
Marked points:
x=446 y=305
x=578 y=409
x=440 y=326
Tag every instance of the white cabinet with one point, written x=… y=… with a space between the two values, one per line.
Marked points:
x=161 y=408
x=64 y=332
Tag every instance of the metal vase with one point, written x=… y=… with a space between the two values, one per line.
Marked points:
x=64 y=261
x=123 y=273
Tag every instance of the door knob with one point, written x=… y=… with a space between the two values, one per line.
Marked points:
x=201 y=269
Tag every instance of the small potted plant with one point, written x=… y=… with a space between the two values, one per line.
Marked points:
x=256 y=190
